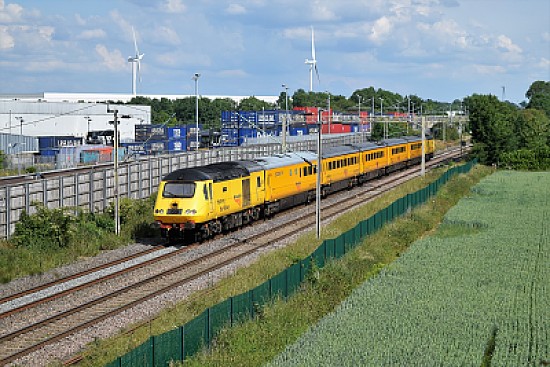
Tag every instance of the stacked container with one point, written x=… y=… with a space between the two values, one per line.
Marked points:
x=156 y=139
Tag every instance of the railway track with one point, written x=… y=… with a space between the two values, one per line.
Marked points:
x=169 y=272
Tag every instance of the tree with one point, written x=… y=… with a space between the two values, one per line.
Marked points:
x=539 y=96
x=254 y=104
x=533 y=129
x=492 y=123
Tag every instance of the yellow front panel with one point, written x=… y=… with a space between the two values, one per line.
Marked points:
x=170 y=210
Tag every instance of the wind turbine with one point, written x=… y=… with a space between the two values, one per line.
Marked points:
x=312 y=62
x=136 y=64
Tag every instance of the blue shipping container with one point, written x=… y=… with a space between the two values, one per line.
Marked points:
x=52 y=152
x=177 y=132
x=133 y=148
x=177 y=145
x=299 y=131
x=47 y=142
x=229 y=137
x=148 y=132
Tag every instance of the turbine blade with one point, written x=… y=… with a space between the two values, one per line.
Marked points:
x=317 y=72
x=135 y=42
x=312 y=45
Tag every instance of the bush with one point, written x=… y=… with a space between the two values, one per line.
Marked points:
x=46 y=228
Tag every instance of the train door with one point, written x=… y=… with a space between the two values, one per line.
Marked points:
x=208 y=197
x=246 y=192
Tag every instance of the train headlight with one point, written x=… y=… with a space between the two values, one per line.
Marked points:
x=191 y=211
x=159 y=211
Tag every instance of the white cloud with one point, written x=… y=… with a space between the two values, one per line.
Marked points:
x=165 y=35
x=232 y=73
x=6 y=40
x=506 y=44
x=79 y=20
x=46 y=32
x=380 y=29
x=489 y=69
x=92 y=34
x=173 y=6
x=546 y=36
x=235 y=9
x=113 y=60
x=10 y=13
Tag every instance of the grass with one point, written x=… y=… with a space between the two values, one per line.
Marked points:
x=257 y=342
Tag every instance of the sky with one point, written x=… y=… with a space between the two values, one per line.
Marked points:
x=435 y=49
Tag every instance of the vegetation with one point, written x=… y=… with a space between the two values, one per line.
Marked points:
x=257 y=342
x=53 y=237
x=506 y=136
x=474 y=291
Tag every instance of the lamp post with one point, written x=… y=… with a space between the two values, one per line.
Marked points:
x=196 y=79
x=360 y=122
x=381 y=114
x=318 y=181
x=329 y=112
x=115 y=160
x=372 y=117
x=88 y=120
x=285 y=121
x=20 y=123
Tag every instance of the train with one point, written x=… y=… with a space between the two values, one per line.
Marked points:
x=201 y=202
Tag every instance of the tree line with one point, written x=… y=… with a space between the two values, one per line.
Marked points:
x=503 y=133
x=509 y=136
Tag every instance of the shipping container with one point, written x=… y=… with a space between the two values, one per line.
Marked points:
x=177 y=145
x=135 y=148
x=149 y=132
x=50 y=152
x=299 y=131
x=177 y=132
x=335 y=128
x=47 y=142
x=229 y=137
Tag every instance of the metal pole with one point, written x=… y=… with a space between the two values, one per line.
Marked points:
x=285 y=121
x=423 y=164
x=318 y=183
x=115 y=159
x=372 y=117
x=360 y=122
x=196 y=79
x=329 y=113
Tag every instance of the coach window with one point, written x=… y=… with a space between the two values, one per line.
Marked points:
x=205 y=192
x=258 y=182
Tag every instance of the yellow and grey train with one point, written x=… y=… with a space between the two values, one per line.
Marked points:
x=208 y=200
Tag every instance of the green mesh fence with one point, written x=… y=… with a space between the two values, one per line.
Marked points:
x=278 y=285
x=242 y=307
x=195 y=335
x=141 y=356
x=168 y=347
x=198 y=333
x=220 y=317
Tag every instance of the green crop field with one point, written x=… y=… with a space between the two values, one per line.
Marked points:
x=475 y=293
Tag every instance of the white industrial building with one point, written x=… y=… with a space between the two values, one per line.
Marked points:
x=34 y=118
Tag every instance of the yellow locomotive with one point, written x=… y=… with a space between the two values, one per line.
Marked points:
x=208 y=200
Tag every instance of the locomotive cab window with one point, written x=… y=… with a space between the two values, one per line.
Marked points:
x=178 y=190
